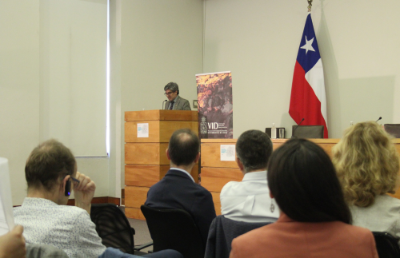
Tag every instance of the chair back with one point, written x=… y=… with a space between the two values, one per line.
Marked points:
x=308 y=131
x=174 y=229
x=393 y=129
x=223 y=231
x=113 y=227
x=386 y=245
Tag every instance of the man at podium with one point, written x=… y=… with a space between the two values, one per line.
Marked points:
x=175 y=102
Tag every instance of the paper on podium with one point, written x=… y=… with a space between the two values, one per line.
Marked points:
x=6 y=212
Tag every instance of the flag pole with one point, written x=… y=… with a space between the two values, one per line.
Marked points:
x=309 y=5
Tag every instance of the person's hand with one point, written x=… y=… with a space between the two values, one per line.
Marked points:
x=12 y=244
x=84 y=191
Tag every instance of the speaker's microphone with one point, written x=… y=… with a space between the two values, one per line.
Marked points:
x=162 y=105
x=378 y=119
x=301 y=121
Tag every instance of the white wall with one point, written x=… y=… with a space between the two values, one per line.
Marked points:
x=73 y=44
x=258 y=40
x=19 y=87
x=21 y=116
x=152 y=43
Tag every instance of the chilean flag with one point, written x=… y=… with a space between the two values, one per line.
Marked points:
x=308 y=99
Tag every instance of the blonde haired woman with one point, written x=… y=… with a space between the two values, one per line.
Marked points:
x=367 y=165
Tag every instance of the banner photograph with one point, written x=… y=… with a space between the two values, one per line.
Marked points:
x=214 y=96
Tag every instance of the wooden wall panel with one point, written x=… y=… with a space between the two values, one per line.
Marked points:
x=131 y=132
x=179 y=115
x=135 y=196
x=145 y=115
x=148 y=175
x=161 y=115
x=213 y=179
x=167 y=128
x=159 y=131
x=146 y=154
x=195 y=172
x=145 y=158
x=144 y=175
x=217 y=202
x=210 y=155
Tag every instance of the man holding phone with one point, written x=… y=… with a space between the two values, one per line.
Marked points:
x=51 y=174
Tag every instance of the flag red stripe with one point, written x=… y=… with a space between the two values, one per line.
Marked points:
x=303 y=101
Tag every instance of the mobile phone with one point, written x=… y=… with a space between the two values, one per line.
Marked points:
x=68 y=188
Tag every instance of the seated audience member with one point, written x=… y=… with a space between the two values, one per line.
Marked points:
x=249 y=199
x=314 y=220
x=367 y=165
x=44 y=214
x=178 y=190
x=12 y=244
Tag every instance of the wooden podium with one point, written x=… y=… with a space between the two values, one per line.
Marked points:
x=145 y=157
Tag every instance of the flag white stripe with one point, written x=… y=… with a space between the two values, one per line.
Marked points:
x=315 y=77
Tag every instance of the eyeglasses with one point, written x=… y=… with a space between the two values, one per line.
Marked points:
x=75 y=180
x=169 y=93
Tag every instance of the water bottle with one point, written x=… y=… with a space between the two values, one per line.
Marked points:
x=273 y=131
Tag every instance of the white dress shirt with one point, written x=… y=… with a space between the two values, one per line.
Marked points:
x=66 y=227
x=382 y=216
x=249 y=200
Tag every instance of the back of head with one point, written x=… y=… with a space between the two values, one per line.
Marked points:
x=47 y=163
x=172 y=86
x=184 y=145
x=367 y=163
x=254 y=148
x=303 y=181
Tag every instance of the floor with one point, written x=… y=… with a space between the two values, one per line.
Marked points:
x=142 y=234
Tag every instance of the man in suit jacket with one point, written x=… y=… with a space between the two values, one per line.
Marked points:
x=178 y=190
x=175 y=102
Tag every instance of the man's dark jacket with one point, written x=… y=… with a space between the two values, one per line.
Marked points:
x=177 y=190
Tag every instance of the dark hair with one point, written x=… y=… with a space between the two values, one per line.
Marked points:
x=172 y=86
x=47 y=163
x=184 y=146
x=254 y=148
x=303 y=180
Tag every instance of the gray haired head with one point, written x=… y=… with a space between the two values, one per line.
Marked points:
x=172 y=86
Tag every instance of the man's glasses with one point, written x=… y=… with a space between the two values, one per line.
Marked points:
x=168 y=93
x=75 y=180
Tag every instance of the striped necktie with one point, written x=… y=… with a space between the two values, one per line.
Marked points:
x=171 y=105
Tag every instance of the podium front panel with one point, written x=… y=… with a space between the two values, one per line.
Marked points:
x=148 y=175
x=138 y=196
x=146 y=162
x=144 y=175
x=146 y=154
x=159 y=131
x=161 y=115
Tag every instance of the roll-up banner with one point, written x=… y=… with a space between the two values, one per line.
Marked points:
x=215 y=106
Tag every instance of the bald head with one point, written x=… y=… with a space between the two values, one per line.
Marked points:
x=183 y=147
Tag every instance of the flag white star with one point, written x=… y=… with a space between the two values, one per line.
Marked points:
x=308 y=45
